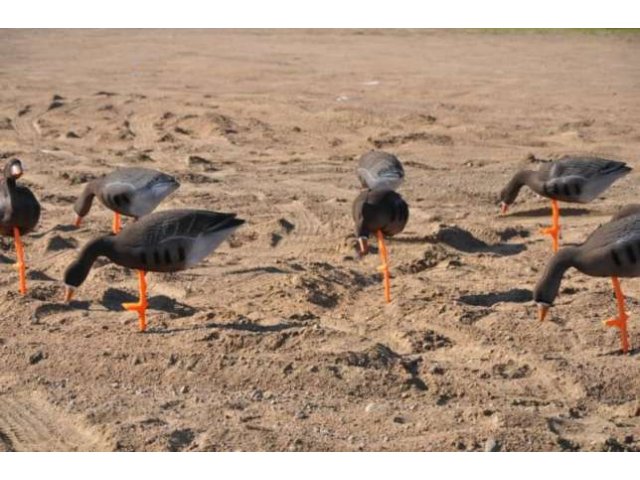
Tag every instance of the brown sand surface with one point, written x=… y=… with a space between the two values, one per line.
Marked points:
x=281 y=340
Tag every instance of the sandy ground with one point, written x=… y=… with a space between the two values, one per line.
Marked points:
x=281 y=339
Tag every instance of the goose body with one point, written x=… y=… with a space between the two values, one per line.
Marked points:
x=18 y=205
x=612 y=250
x=19 y=214
x=380 y=213
x=379 y=170
x=167 y=241
x=575 y=179
x=384 y=211
x=133 y=192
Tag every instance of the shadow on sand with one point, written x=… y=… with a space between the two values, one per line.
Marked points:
x=113 y=299
x=546 y=212
x=515 y=295
x=465 y=241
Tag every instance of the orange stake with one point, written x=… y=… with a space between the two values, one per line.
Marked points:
x=621 y=320
x=117 y=224
x=20 y=265
x=554 y=229
x=141 y=306
x=384 y=268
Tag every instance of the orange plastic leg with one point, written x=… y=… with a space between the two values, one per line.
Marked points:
x=621 y=320
x=117 y=223
x=554 y=229
x=141 y=306
x=384 y=268
x=20 y=265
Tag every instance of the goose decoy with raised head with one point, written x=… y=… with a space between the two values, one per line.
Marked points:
x=167 y=241
x=379 y=170
x=612 y=250
x=576 y=179
x=19 y=213
x=132 y=191
x=380 y=213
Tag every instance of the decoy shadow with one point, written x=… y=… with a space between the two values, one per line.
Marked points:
x=515 y=295
x=113 y=299
x=464 y=241
x=546 y=212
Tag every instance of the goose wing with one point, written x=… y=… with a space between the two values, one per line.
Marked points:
x=581 y=179
x=380 y=171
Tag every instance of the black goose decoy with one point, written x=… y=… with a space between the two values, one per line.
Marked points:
x=612 y=250
x=575 y=179
x=132 y=191
x=379 y=170
x=380 y=213
x=167 y=241
x=19 y=213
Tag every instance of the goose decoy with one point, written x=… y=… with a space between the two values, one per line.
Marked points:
x=380 y=213
x=379 y=170
x=167 y=241
x=19 y=213
x=133 y=192
x=578 y=179
x=612 y=250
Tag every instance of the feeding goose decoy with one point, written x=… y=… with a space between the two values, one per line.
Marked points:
x=380 y=213
x=612 y=250
x=576 y=179
x=379 y=170
x=19 y=213
x=167 y=241
x=132 y=191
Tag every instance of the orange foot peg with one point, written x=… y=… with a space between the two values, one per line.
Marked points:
x=384 y=268
x=141 y=306
x=554 y=229
x=620 y=321
x=20 y=265
x=117 y=223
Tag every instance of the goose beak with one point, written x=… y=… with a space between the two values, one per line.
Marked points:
x=364 y=246
x=16 y=171
x=78 y=221
x=503 y=208
x=68 y=293
x=542 y=312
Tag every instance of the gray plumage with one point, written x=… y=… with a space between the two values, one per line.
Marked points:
x=612 y=250
x=379 y=210
x=576 y=179
x=379 y=170
x=166 y=241
x=18 y=205
x=133 y=192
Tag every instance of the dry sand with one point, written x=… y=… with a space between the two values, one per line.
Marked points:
x=281 y=339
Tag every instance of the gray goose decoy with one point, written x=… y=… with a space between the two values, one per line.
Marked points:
x=612 y=250
x=379 y=170
x=380 y=213
x=167 y=241
x=132 y=191
x=19 y=213
x=575 y=179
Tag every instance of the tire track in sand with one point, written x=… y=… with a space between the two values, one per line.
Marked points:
x=25 y=123
x=29 y=423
